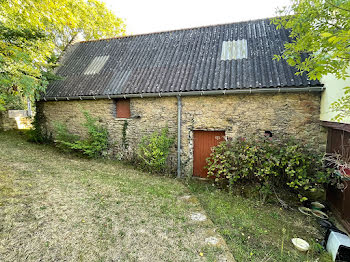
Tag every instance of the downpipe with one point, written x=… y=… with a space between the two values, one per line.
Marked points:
x=179 y=112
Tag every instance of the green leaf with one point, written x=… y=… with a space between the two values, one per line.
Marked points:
x=326 y=34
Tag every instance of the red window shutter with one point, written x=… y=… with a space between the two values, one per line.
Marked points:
x=123 y=108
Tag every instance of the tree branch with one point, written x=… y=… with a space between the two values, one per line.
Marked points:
x=336 y=26
x=345 y=58
x=341 y=8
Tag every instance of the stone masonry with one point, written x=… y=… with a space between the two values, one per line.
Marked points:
x=147 y=115
x=293 y=114
x=14 y=119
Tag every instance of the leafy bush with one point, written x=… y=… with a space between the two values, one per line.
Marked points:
x=95 y=145
x=154 y=150
x=38 y=133
x=269 y=162
x=64 y=139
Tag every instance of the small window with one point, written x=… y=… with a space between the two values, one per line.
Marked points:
x=123 y=108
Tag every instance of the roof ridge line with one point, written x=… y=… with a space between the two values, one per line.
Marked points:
x=175 y=30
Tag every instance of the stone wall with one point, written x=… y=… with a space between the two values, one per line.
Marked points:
x=7 y=123
x=14 y=119
x=147 y=115
x=292 y=114
x=239 y=115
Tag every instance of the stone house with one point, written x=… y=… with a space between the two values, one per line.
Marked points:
x=205 y=84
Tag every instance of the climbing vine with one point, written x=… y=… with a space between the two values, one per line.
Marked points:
x=125 y=143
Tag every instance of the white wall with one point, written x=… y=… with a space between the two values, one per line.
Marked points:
x=334 y=91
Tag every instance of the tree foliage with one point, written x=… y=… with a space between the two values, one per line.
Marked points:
x=33 y=33
x=320 y=28
x=342 y=106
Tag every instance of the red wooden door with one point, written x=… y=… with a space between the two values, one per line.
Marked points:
x=203 y=142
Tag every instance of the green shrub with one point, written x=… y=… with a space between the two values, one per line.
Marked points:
x=64 y=139
x=268 y=162
x=37 y=133
x=154 y=150
x=96 y=143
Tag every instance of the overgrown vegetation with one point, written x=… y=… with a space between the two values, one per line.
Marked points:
x=95 y=145
x=270 y=163
x=125 y=143
x=154 y=150
x=11 y=101
x=38 y=133
x=256 y=231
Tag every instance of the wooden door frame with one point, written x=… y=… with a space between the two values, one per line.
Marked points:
x=191 y=143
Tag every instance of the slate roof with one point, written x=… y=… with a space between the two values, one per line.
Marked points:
x=177 y=61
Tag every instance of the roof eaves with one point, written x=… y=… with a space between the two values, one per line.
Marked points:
x=318 y=88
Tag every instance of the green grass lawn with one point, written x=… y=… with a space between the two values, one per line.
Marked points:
x=59 y=207
x=255 y=231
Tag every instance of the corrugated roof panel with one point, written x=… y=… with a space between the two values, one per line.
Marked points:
x=209 y=60
x=234 y=49
x=96 y=65
x=156 y=63
x=161 y=64
x=237 y=55
x=183 y=56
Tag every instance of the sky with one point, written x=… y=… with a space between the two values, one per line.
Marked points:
x=147 y=16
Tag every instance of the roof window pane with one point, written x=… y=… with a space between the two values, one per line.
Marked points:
x=96 y=65
x=234 y=50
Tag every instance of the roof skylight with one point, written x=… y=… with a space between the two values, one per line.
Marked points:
x=234 y=50
x=96 y=65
